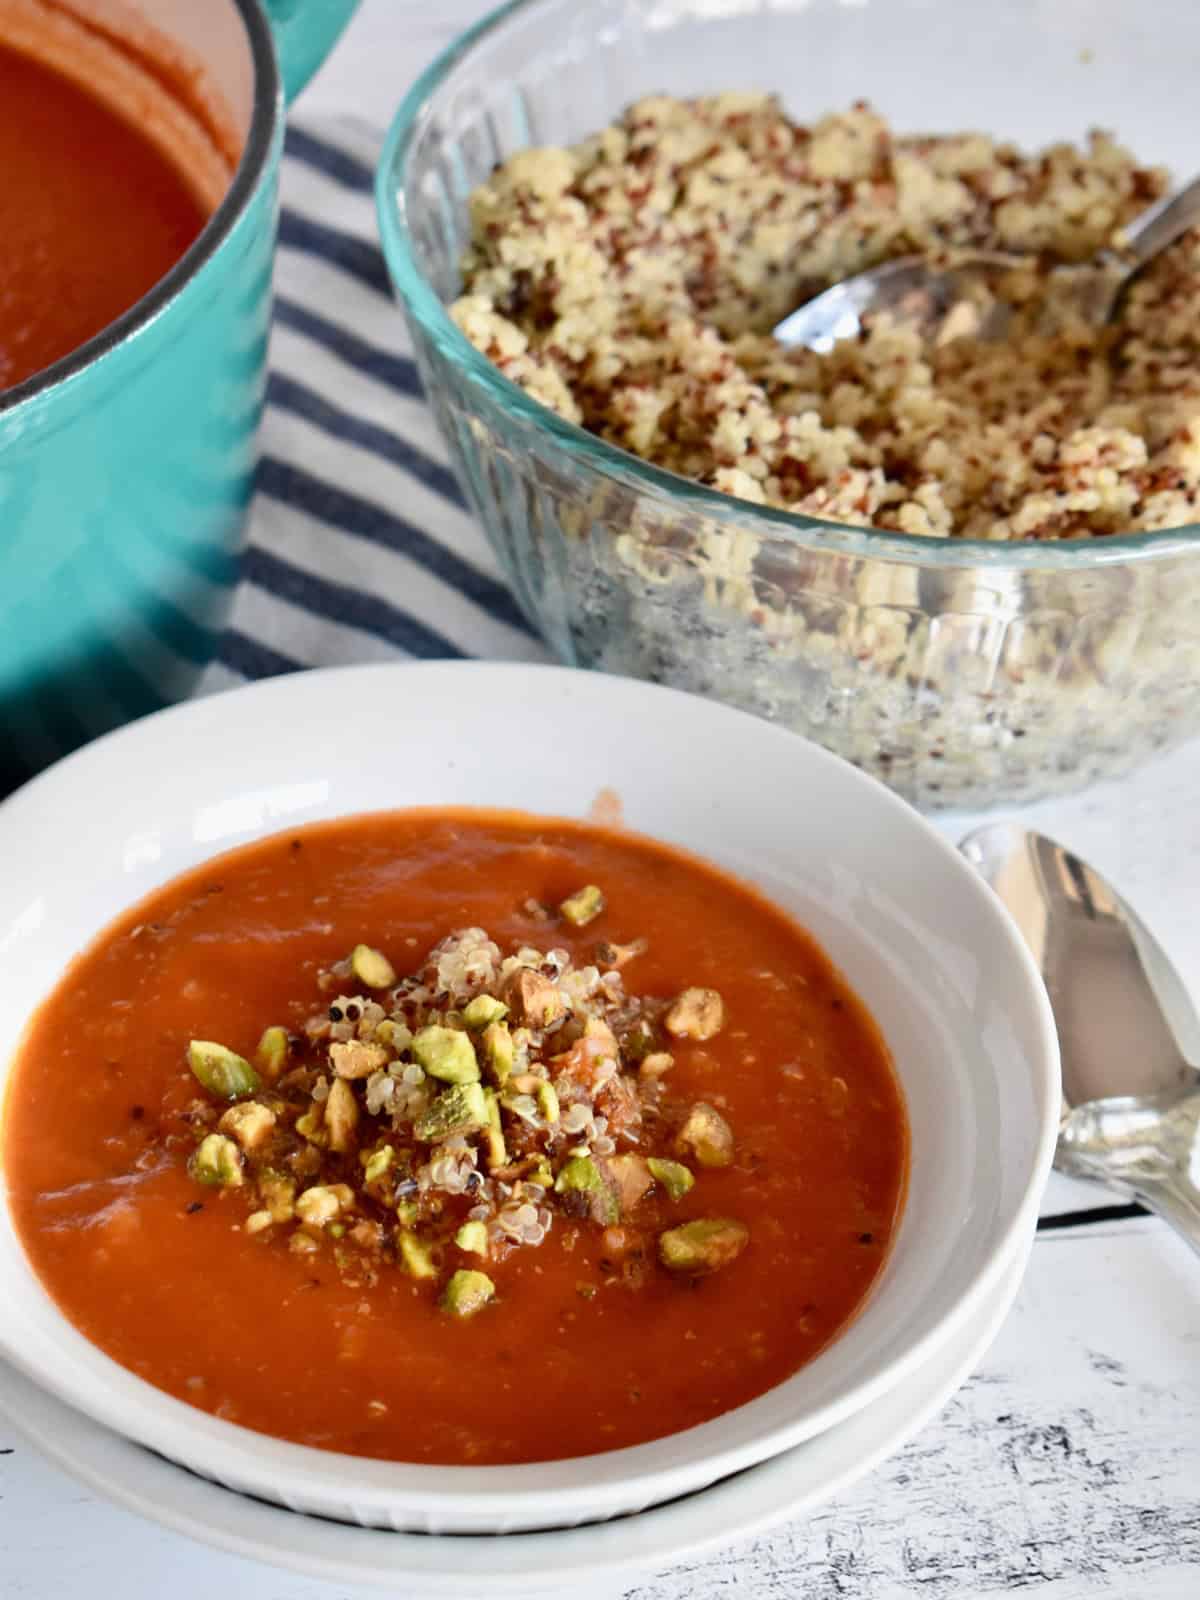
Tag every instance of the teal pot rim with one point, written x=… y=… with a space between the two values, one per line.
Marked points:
x=433 y=322
x=266 y=117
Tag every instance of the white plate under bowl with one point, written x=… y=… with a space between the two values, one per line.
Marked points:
x=918 y=935
x=570 y=1561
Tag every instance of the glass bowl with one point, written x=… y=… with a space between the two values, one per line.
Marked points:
x=964 y=673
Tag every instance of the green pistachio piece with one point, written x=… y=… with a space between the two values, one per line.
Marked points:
x=481 y=1011
x=378 y=1164
x=272 y=1052
x=221 y=1072
x=407 y=1212
x=547 y=1099
x=675 y=1178
x=460 y=1109
x=498 y=1055
x=416 y=1256
x=278 y=1193
x=542 y=1174
x=467 y=1293
x=584 y=906
x=217 y=1160
x=493 y=1134
x=372 y=967
x=311 y=1126
x=473 y=1237
x=707 y=1245
x=581 y=1175
x=706 y=1136
x=447 y=1054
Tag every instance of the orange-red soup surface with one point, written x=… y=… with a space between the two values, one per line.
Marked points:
x=92 y=215
x=568 y=1359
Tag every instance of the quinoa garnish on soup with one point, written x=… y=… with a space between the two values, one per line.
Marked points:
x=457 y=1137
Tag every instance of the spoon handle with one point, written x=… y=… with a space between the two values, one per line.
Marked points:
x=1176 y=1199
x=1163 y=223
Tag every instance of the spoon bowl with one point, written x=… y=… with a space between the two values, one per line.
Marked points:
x=1128 y=1030
x=965 y=297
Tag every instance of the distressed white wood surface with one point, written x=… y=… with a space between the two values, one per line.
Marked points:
x=1068 y=1467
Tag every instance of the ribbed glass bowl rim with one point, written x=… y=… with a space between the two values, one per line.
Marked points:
x=809 y=533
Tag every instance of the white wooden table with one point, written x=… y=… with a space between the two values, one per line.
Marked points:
x=1069 y=1466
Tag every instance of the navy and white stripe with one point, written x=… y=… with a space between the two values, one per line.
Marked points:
x=361 y=547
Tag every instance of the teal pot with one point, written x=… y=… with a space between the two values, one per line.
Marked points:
x=126 y=469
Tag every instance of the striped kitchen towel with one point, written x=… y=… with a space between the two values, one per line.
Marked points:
x=361 y=547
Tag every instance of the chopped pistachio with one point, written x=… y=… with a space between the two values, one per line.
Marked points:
x=378 y=1164
x=584 y=906
x=407 y=1212
x=547 y=1099
x=675 y=1178
x=257 y=1221
x=311 y=1125
x=467 y=1292
x=336 y=1230
x=706 y=1136
x=220 y=1071
x=272 y=1052
x=250 y=1124
x=656 y=1064
x=541 y=1173
x=416 y=1256
x=217 y=1161
x=493 y=1133
x=372 y=967
x=318 y=1205
x=459 y=1109
x=703 y=1246
x=534 y=999
x=447 y=1054
x=631 y=1174
x=481 y=1011
x=341 y=1115
x=353 y=1058
x=696 y=1014
x=395 y=1035
x=278 y=1195
x=581 y=1175
x=473 y=1237
x=498 y=1051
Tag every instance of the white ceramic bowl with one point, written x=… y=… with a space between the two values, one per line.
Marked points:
x=917 y=934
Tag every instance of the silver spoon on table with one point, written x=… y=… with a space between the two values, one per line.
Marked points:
x=950 y=302
x=1126 y=1026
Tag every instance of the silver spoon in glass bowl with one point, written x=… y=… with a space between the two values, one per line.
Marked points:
x=1126 y=1027
x=950 y=302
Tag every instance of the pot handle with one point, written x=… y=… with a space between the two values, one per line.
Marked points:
x=305 y=32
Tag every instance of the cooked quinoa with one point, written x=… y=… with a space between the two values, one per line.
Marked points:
x=630 y=283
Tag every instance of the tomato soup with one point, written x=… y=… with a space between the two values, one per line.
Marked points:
x=456 y=1137
x=92 y=213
